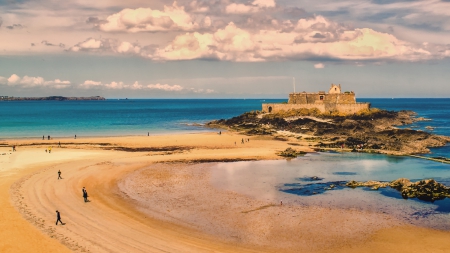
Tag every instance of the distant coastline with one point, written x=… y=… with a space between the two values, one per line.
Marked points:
x=57 y=98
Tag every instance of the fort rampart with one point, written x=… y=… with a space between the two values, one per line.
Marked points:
x=333 y=101
x=324 y=108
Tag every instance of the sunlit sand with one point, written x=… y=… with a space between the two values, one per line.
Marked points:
x=162 y=200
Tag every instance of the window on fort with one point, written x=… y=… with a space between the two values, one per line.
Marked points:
x=321 y=97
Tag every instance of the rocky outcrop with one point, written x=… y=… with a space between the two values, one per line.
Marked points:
x=428 y=190
x=291 y=153
x=373 y=131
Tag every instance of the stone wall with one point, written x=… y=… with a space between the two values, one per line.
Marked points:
x=321 y=98
x=323 y=107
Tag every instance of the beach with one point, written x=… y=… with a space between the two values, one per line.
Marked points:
x=154 y=194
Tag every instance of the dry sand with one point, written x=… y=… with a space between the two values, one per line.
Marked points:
x=139 y=204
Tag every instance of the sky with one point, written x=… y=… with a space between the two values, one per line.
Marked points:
x=224 y=48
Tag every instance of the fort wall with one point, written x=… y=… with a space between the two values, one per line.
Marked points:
x=323 y=107
x=321 y=97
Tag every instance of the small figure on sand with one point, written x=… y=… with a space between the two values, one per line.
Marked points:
x=242 y=141
x=148 y=133
x=75 y=136
x=48 y=137
x=49 y=150
x=45 y=150
x=43 y=137
x=85 y=195
x=14 y=148
x=59 y=144
x=58 y=218
x=59 y=174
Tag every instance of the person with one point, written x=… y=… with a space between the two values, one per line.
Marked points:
x=220 y=132
x=148 y=133
x=45 y=150
x=59 y=144
x=59 y=174
x=49 y=150
x=43 y=137
x=85 y=195
x=58 y=218
x=75 y=136
x=48 y=137
x=14 y=148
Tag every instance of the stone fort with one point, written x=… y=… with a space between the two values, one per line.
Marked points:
x=333 y=101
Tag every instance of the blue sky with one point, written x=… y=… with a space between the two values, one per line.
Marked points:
x=224 y=48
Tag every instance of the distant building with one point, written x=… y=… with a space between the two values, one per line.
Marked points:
x=333 y=101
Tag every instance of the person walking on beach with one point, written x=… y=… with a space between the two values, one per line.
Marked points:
x=58 y=218
x=75 y=136
x=48 y=137
x=14 y=148
x=85 y=195
x=59 y=144
x=59 y=174
x=43 y=137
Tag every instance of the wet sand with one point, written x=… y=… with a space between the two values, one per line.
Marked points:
x=160 y=200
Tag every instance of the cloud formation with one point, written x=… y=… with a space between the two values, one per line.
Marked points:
x=88 y=84
x=148 y=20
x=319 y=66
x=307 y=39
x=261 y=36
x=32 y=82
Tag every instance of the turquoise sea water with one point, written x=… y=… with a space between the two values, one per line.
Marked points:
x=139 y=116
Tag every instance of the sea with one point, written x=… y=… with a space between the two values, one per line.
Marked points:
x=275 y=180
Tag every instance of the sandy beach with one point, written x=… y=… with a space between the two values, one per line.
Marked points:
x=153 y=194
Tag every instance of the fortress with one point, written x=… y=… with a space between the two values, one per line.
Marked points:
x=333 y=101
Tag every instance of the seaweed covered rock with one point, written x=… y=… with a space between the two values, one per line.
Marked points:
x=428 y=190
x=290 y=152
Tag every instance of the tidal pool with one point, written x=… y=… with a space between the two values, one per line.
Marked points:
x=290 y=181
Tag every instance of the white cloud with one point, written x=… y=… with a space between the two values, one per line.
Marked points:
x=148 y=20
x=264 y=3
x=165 y=87
x=319 y=66
x=30 y=82
x=106 y=45
x=88 y=84
x=255 y=6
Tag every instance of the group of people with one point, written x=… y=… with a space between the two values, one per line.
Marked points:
x=48 y=137
x=85 y=197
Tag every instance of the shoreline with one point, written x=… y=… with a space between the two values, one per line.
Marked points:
x=115 y=218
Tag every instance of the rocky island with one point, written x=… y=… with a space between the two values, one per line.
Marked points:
x=55 y=98
x=334 y=120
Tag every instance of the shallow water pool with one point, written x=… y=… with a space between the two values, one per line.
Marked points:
x=290 y=181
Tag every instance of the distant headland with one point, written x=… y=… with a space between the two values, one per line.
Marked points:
x=57 y=98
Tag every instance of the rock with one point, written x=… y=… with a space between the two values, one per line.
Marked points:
x=290 y=152
x=427 y=190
